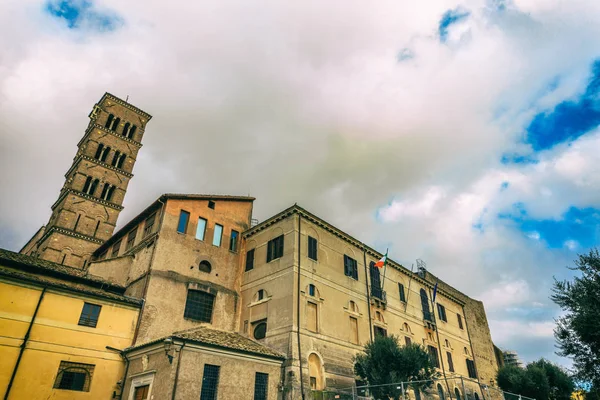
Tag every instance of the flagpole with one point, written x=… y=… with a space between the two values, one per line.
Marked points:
x=408 y=292
x=384 y=269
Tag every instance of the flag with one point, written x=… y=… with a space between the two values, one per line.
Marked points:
x=434 y=292
x=382 y=261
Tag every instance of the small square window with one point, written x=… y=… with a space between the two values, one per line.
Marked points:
x=89 y=315
x=74 y=376
x=211 y=204
x=250 y=260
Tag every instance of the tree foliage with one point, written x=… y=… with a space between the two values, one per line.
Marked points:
x=578 y=331
x=540 y=379
x=383 y=361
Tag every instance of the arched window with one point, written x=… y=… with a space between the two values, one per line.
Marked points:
x=446 y=343
x=476 y=396
x=425 y=305
x=115 y=124
x=109 y=121
x=115 y=158
x=104 y=154
x=353 y=307
x=457 y=394
x=205 y=266
x=104 y=193
x=99 y=151
x=260 y=330
x=87 y=185
x=131 y=131
x=315 y=372
x=110 y=193
x=94 y=186
x=440 y=390
x=379 y=317
x=121 y=161
x=406 y=327
x=126 y=129
x=260 y=295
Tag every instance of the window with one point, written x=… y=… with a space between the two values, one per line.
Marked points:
x=115 y=249
x=311 y=290
x=250 y=260
x=104 y=154
x=260 y=295
x=353 y=307
x=109 y=121
x=110 y=193
x=217 y=235
x=425 y=305
x=450 y=363
x=149 y=224
x=446 y=343
x=199 y=305
x=99 y=151
x=407 y=340
x=115 y=158
x=350 y=267
x=440 y=390
x=89 y=187
x=261 y=386
x=201 y=229
x=401 y=291
x=311 y=317
x=406 y=327
x=205 y=266
x=131 y=239
x=89 y=315
x=141 y=392
x=275 y=248
x=459 y=317
x=233 y=241
x=379 y=331
x=471 y=369
x=74 y=376
x=433 y=355
x=115 y=124
x=376 y=290
x=184 y=217
x=211 y=204
x=126 y=129
x=312 y=248
x=210 y=382
x=442 y=312
x=121 y=161
x=354 y=330
x=132 y=131
x=260 y=329
x=313 y=383
x=104 y=193
x=457 y=394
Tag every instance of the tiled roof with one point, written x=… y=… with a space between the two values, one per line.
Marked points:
x=221 y=339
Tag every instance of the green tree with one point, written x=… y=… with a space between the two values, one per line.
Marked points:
x=383 y=362
x=541 y=379
x=578 y=330
x=561 y=383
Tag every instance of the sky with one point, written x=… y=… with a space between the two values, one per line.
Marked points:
x=462 y=133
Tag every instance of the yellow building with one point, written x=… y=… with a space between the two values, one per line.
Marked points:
x=60 y=331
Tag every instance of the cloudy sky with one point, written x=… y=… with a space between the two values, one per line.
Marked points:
x=464 y=133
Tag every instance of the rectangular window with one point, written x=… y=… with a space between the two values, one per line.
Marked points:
x=275 y=248
x=354 y=330
x=131 y=239
x=442 y=312
x=115 y=249
x=312 y=248
x=141 y=392
x=261 y=386
x=200 y=229
x=233 y=241
x=74 y=376
x=184 y=218
x=401 y=291
x=89 y=315
x=210 y=382
x=311 y=317
x=199 y=305
x=379 y=331
x=460 y=325
x=149 y=224
x=250 y=260
x=471 y=369
x=217 y=235
x=407 y=340
x=450 y=363
x=350 y=267
x=433 y=355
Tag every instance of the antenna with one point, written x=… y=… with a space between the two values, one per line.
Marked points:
x=127 y=99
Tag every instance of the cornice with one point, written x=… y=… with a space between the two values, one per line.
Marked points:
x=126 y=105
x=65 y=192
x=69 y=232
x=126 y=139
x=98 y=162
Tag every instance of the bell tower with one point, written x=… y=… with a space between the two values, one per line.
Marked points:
x=85 y=214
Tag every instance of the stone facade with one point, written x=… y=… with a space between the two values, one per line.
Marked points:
x=86 y=211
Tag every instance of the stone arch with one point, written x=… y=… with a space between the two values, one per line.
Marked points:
x=440 y=391
x=315 y=371
x=204 y=266
x=261 y=294
x=275 y=232
x=312 y=291
x=352 y=306
x=310 y=231
x=457 y=394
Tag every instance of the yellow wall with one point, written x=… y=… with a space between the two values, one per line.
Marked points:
x=55 y=337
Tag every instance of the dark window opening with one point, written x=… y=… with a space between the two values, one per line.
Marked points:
x=87 y=186
x=375 y=281
x=115 y=124
x=311 y=290
x=126 y=129
x=132 y=132
x=379 y=331
x=184 y=217
x=442 y=312
x=260 y=329
x=440 y=390
x=104 y=154
x=312 y=248
x=121 y=161
x=104 y=193
x=350 y=267
x=110 y=193
x=131 y=239
x=401 y=291
x=457 y=394
x=471 y=369
x=260 y=295
x=98 y=151
x=205 y=266
x=115 y=249
x=450 y=363
x=261 y=386
x=233 y=241
x=275 y=248
x=460 y=324
x=109 y=121
x=74 y=376
x=115 y=158
x=433 y=355
x=407 y=340
x=89 y=315
x=210 y=382
x=199 y=305
x=149 y=224
x=250 y=260
x=211 y=204
x=425 y=305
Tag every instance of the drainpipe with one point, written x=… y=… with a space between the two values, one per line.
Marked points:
x=298 y=307
x=177 y=371
x=368 y=295
x=124 y=356
x=24 y=344
x=147 y=283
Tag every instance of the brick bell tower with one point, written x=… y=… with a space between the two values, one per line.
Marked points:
x=85 y=214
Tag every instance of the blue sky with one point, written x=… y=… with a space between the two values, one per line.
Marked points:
x=461 y=133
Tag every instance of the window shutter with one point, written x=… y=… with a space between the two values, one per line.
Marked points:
x=346 y=269
x=280 y=246
x=269 y=250
x=355 y=269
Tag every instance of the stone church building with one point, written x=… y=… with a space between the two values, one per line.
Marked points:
x=236 y=309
